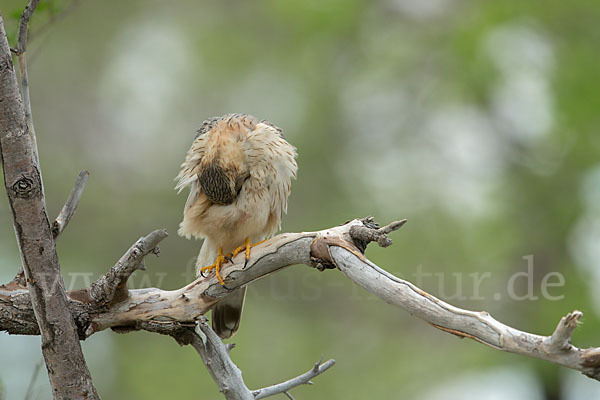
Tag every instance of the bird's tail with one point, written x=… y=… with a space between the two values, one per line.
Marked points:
x=227 y=313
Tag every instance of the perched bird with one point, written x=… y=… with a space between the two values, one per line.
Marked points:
x=239 y=171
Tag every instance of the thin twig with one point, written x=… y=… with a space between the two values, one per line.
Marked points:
x=303 y=379
x=61 y=222
x=394 y=226
x=369 y=231
x=109 y=286
x=21 y=47
x=24 y=25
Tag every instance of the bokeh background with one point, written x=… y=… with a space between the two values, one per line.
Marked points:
x=476 y=120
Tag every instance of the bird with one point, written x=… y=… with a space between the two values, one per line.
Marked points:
x=239 y=170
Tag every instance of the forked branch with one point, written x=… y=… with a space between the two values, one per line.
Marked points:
x=216 y=357
x=304 y=379
x=67 y=370
x=337 y=247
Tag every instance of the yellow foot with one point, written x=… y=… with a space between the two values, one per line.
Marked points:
x=246 y=247
x=221 y=259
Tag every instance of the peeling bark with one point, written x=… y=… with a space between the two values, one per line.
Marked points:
x=153 y=309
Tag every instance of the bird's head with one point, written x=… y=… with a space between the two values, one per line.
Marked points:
x=229 y=150
x=223 y=168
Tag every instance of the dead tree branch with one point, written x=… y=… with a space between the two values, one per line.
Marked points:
x=112 y=285
x=21 y=48
x=36 y=302
x=148 y=308
x=479 y=326
x=63 y=218
x=67 y=370
x=304 y=379
x=24 y=25
x=216 y=357
x=214 y=354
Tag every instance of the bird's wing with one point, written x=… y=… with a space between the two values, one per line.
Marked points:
x=190 y=167
x=193 y=196
x=273 y=161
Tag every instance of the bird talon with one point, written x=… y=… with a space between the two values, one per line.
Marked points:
x=246 y=249
x=221 y=259
x=225 y=258
x=243 y=165
x=241 y=248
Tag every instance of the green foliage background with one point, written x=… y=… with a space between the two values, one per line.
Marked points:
x=477 y=121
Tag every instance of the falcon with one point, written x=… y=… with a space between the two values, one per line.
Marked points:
x=239 y=171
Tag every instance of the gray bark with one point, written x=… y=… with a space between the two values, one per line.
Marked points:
x=66 y=213
x=67 y=370
x=339 y=247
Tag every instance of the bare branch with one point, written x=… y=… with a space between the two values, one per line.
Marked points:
x=303 y=379
x=61 y=222
x=479 y=326
x=21 y=47
x=108 y=288
x=215 y=356
x=288 y=395
x=561 y=338
x=112 y=286
x=24 y=25
x=150 y=309
x=370 y=232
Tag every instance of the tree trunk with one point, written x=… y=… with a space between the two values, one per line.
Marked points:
x=67 y=370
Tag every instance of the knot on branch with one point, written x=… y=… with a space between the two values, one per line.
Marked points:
x=24 y=188
x=591 y=363
x=370 y=231
x=360 y=234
